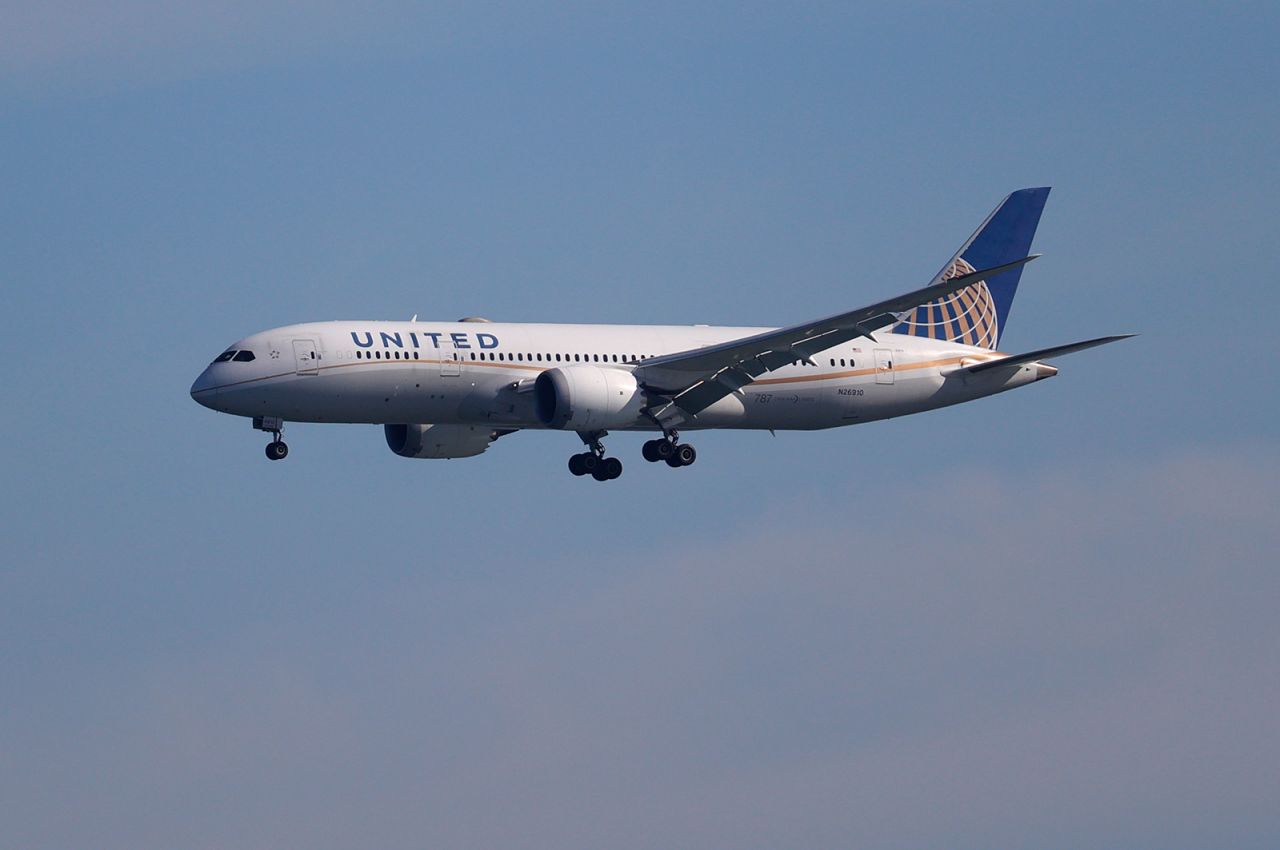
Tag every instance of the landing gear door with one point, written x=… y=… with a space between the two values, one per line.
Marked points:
x=884 y=366
x=306 y=356
x=450 y=361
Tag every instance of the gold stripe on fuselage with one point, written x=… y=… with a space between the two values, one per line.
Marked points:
x=797 y=379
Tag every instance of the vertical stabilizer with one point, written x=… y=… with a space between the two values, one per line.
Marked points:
x=976 y=315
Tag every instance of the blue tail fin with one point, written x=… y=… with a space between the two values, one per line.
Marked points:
x=976 y=314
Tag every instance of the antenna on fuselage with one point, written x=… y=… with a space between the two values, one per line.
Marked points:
x=415 y=318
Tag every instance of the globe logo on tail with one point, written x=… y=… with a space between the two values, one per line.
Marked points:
x=967 y=316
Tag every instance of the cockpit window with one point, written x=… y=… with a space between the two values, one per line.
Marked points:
x=224 y=357
x=243 y=356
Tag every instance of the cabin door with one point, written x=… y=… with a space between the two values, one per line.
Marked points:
x=884 y=366
x=306 y=357
x=450 y=360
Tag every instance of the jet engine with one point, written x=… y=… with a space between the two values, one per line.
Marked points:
x=438 y=441
x=587 y=398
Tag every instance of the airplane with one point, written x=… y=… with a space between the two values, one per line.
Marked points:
x=450 y=389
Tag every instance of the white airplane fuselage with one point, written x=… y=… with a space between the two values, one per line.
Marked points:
x=480 y=374
x=449 y=389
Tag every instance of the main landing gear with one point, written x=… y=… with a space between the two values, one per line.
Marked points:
x=668 y=450
x=593 y=461
x=277 y=449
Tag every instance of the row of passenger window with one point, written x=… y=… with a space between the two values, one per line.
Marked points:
x=243 y=356
x=520 y=357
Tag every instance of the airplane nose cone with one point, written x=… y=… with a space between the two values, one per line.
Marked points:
x=204 y=389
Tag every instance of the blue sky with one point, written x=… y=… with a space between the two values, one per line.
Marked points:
x=1041 y=620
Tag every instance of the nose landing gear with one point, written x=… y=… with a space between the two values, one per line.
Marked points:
x=277 y=449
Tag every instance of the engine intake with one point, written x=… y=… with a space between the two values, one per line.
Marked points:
x=587 y=398
x=438 y=441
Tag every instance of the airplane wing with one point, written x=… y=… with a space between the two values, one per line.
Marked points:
x=1041 y=354
x=691 y=381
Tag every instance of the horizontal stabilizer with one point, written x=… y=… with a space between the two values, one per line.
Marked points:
x=1041 y=354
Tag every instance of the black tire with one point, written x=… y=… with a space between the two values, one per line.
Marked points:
x=685 y=454
x=673 y=462
x=663 y=449
x=650 y=451
x=277 y=450
x=599 y=473
x=612 y=468
x=590 y=462
x=576 y=466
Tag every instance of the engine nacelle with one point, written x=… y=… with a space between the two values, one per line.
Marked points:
x=438 y=441
x=587 y=398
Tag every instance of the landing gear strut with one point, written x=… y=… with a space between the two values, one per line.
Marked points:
x=277 y=449
x=669 y=450
x=593 y=461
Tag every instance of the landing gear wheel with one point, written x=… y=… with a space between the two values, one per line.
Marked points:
x=658 y=450
x=589 y=463
x=609 y=469
x=593 y=461
x=685 y=454
x=277 y=450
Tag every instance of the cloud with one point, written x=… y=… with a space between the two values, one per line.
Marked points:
x=1077 y=656
x=149 y=40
